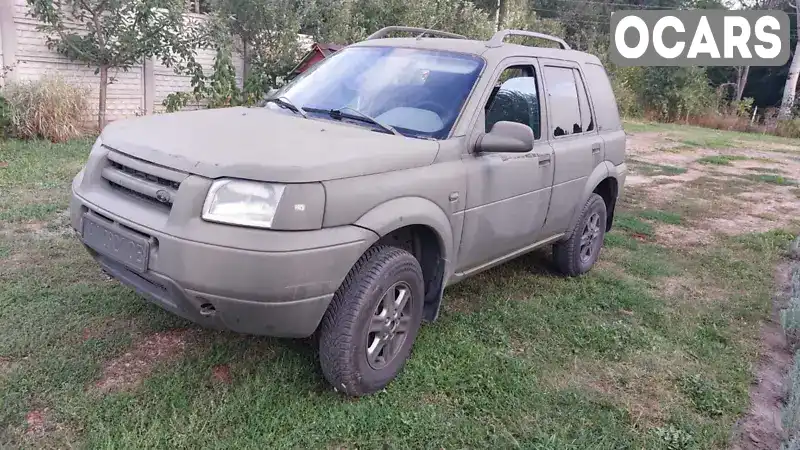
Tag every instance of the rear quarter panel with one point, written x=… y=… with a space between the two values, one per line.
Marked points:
x=609 y=124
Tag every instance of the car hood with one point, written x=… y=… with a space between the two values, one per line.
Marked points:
x=265 y=145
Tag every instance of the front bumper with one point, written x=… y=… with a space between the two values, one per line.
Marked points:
x=282 y=292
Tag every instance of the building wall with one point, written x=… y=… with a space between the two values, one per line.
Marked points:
x=138 y=91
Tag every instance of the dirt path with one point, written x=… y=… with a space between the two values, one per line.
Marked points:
x=762 y=428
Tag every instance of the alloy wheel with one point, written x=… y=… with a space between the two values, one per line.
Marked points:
x=389 y=325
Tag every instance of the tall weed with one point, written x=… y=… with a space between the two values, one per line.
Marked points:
x=48 y=108
x=788 y=128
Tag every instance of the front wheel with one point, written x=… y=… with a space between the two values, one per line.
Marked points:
x=372 y=321
x=576 y=255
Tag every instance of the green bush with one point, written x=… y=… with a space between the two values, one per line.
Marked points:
x=48 y=108
x=217 y=90
x=628 y=102
x=743 y=107
x=5 y=117
x=665 y=93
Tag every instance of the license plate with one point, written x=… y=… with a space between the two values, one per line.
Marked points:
x=117 y=244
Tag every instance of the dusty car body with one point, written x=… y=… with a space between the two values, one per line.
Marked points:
x=392 y=169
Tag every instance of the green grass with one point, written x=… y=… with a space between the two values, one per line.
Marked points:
x=719 y=140
x=706 y=397
x=28 y=212
x=629 y=222
x=35 y=183
x=721 y=160
x=520 y=357
x=623 y=240
x=711 y=138
x=650 y=169
x=641 y=127
x=648 y=262
x=661 y=216
x=765 y=170
x=770 y=178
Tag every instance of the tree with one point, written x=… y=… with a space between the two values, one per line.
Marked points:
x=267 y=33
x=113 y=34
x=741 y=80
x=502 y=12
x=790 y=88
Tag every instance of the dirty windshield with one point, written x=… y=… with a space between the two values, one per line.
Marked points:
x=419 y=93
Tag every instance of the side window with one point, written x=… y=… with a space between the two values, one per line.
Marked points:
x=515 y=98
x=605 y=105
x=583 y=101
x=569 y=104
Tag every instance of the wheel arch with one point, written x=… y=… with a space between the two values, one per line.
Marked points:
x=597 y=176
x=611 y=188
x=608 y=189
x=421 y=227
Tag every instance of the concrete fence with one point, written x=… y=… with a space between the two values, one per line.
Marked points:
x=138 y=91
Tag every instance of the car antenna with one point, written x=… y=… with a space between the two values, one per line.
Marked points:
x=419 y=36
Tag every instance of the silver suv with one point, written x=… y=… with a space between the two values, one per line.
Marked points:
x=344 y=206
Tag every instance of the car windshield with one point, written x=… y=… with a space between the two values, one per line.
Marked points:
x=419 y=93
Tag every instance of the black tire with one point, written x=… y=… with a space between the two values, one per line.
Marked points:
x=358 y=307
x=574 y=256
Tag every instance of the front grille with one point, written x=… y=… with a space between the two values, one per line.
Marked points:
x=143 y=180
x=145 y=176
x=132 y=193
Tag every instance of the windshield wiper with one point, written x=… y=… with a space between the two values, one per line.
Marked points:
x=363 y=117
x=338 y=114
x=285 y=102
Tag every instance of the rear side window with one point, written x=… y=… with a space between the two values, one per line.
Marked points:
x=569 y=103
x=587 y=122
x=605 y=105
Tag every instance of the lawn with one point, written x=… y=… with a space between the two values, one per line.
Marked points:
x=655 y=348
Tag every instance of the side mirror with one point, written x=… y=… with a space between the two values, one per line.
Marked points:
x=506 y=137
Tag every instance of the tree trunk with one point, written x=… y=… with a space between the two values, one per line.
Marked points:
x=101 y=111
x=741 y=82
x=502 y=10
x=791 y=86
x=245 y=64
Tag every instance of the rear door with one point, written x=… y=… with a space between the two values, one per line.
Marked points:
x=577 y=145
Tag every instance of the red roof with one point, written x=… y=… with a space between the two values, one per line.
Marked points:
x=327 y=49
x=318 y=51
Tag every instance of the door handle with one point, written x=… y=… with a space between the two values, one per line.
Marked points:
x=544 y=159
x=595 y=149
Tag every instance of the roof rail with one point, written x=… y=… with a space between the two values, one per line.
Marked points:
x=383 y=32
x=499 y=37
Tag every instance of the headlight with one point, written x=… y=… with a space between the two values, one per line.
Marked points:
x=240 y=202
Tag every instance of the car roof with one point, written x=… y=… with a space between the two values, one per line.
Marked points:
x=485 y=49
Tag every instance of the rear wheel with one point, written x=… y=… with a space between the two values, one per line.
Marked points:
x=370 y=326
x=578 y=254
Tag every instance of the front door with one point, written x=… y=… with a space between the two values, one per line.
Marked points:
x=507 y=193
